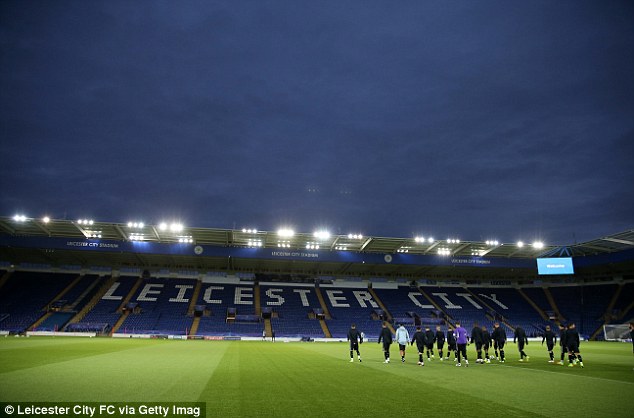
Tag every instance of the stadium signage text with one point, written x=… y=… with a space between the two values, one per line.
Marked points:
x=337 y=298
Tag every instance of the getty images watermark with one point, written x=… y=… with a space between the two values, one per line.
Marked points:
x=103 y=409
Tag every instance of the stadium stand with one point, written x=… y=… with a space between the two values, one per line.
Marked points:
x=515 y=312
x=160 y=307
x=230 y=311
x=104 y=314
x=25 y=296
x=407 y=312
x=227 y=307
x=460 y=305
x=293 y=310
x=583 y=305
x=348 y=306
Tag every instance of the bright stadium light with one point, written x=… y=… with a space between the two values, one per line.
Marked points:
x=176 y=227
x=285 y=232
x=520 y=244
x=19 y=218
x=538 y=245
x=430 y=240
x=321 y=234
x=46 y=219
x=163 y=226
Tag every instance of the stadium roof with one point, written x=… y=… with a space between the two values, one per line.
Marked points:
x=268 y=239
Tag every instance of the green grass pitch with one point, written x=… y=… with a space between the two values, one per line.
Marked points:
x=253 y=379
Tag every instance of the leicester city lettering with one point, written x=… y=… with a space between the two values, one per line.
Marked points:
x=337 y=298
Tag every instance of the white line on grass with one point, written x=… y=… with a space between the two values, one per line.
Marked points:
x=561 y=374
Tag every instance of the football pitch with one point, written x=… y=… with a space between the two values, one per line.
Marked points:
x=264 y=379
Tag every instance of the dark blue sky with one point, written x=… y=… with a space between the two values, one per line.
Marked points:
x=500 y=119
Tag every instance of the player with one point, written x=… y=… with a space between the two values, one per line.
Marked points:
x=264 y=335
x=572 y=338
x=402 y=338
x=354 y=336
x=451 y=345
x=632 y=335
x=486 y=343
x=563 y=343
x=462 y=339
x=440 y=341
x=386 y=337
x=551 y=339
x=520 y=336
x=476 y=337
x=430 y=339
x=420 y=338
x=499 y=337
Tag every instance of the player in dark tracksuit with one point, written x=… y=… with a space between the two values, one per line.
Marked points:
x=499 y=337
x=572 y=340
x=563 y=343
x=355 y=338
x=421 y=343
x=451 y=345
x=520 y=337
x=430 y=339
x=551 y=339
x=476 y=337
x=386 y=337
x=486 y=343
x=440 y=341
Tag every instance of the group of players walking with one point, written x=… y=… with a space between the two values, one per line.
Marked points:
x=458 y=339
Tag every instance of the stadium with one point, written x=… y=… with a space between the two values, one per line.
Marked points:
x=236 y=320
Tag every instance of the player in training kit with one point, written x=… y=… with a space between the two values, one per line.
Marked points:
x=572 y=339
x=520 y=336
x=421 y=342
x=486 y=343
x=451 y=346
x=632 y=335
x=402 y=338
x=476 y=337
x=430 y=338
x=440 y=341
x=551 y=338
x=386 y=337
x=499 y=338
x=462 y=339
x=563 y=343
x=355 y=338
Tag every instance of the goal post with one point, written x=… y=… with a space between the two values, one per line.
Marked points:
x=617 y=332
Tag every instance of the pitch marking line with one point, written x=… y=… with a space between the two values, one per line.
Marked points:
x=561 y=374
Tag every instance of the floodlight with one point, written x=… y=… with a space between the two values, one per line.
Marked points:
x=538 y=245
x=285 y=232
x=176 y=227
x=19 y=218
x=430 y=240
x=321 y=234
x=46 y=219
x=520 y=244
x=162 y=226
